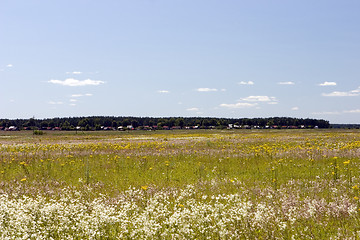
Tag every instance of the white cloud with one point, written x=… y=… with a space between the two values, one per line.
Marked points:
x=251 y=101
x=73 y=100
x=259 y=99
x=352 y=111
x=341 y=94
x=356 y=90
x=352 y=93
x=74 y=72
x=163 y=91
x=324 y=84
x=9 y=65
x=246 y=83
x=55 y=103
x=337 y=112
x=238 y=105
x=82 y=95
x=223 y=90
x=193 y=109
x=295 y=108
x=206 y=90
x=286 y=83
x=326 y=113
x=71 y=82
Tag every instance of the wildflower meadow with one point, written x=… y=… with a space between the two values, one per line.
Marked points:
x=194 y=184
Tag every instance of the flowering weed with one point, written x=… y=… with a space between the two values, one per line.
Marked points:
x=242 y=184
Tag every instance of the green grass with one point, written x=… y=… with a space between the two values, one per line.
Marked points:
x=266 y=167
x=178 y=158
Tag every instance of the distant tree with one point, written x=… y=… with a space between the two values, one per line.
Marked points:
x=44 y=124
x=135 y=123
x=65 y=126
x=180 y=122
x=270 y=122
x=83 y=122
x=126 y=122
x=108 y=122
x=31 y=122
x=205 y=123
x=87 y=127
x=52 y=124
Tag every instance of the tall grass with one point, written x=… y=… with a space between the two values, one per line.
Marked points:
x=182 y=184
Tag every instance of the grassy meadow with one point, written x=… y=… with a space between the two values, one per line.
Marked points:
x=195 y=184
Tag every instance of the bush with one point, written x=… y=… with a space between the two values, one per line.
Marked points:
x=38 y=132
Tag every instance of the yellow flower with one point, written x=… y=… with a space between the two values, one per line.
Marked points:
x=23 y=180
x=356 y=198
x=22 y=163
x=144 y=187
x=355 y=187
x=346 y=162
x=180 y=205
x=232 y=180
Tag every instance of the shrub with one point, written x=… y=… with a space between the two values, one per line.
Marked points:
x=38 y=132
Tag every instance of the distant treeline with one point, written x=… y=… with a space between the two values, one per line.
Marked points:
x=349 y=126
x=104 y=122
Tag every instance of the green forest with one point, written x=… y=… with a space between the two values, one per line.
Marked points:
x=152 y=123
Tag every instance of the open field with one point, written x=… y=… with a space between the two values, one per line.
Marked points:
x=197 y=184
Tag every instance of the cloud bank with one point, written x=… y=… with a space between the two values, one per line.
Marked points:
x=352 y=93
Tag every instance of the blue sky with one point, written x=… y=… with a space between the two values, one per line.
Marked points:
x=180 y=58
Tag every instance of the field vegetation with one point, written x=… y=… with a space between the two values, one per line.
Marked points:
x=196 y=184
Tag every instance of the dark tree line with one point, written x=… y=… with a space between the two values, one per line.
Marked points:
x=99 y=122
x=348 y=126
